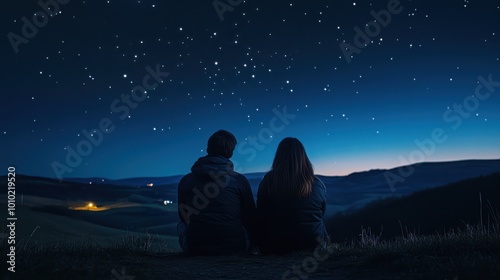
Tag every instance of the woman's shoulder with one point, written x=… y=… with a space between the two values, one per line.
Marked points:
x=319 y=185
x=266 y=178
x=263 y=185
x=317 y=181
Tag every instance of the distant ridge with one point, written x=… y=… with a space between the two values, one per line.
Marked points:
x=131 y=182
x=344 y=193
x=141 y=181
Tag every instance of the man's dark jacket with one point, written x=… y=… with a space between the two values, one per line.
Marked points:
x=288 y=224
x=219 y=205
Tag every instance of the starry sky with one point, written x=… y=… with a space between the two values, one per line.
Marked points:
x=360 y=94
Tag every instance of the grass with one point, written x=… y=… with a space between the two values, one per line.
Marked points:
x=473 y=253
x=467 y=252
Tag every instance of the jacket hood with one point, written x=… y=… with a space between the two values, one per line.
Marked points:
x=211 y=164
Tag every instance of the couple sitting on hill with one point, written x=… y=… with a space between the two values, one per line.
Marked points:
x=217 y=208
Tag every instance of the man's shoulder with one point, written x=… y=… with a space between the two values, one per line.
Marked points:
x=239 y=177
x=186 y=178
x=234 y=178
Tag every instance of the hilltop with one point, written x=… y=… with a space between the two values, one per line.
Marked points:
x=453 y=206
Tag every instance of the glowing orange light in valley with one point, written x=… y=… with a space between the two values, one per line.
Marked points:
x=91 y=206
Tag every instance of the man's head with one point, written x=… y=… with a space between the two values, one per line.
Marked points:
x=221 y=143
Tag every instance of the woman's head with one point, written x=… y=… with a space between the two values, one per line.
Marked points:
x=292 y=172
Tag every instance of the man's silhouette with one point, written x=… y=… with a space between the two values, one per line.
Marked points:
x=216 y=206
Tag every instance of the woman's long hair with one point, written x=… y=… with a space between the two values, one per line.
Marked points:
x=292 y=173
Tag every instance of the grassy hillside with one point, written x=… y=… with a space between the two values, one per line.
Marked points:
x=426 y=212
x=44 y=229
x=442 y=238
x=470 y=254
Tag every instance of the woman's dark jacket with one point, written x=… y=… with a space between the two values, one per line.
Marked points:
x=288 y=224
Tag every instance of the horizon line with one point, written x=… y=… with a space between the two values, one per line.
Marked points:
x=257 y=172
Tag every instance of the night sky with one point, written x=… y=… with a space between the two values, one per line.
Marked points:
x=263 y=70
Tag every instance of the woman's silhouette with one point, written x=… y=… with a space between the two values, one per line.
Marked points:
x=291 y=202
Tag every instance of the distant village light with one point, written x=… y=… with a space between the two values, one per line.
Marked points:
x=150 y=185
x=166 y=202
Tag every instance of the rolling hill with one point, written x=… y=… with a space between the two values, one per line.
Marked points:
x=436 y=210
x=130 y=206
